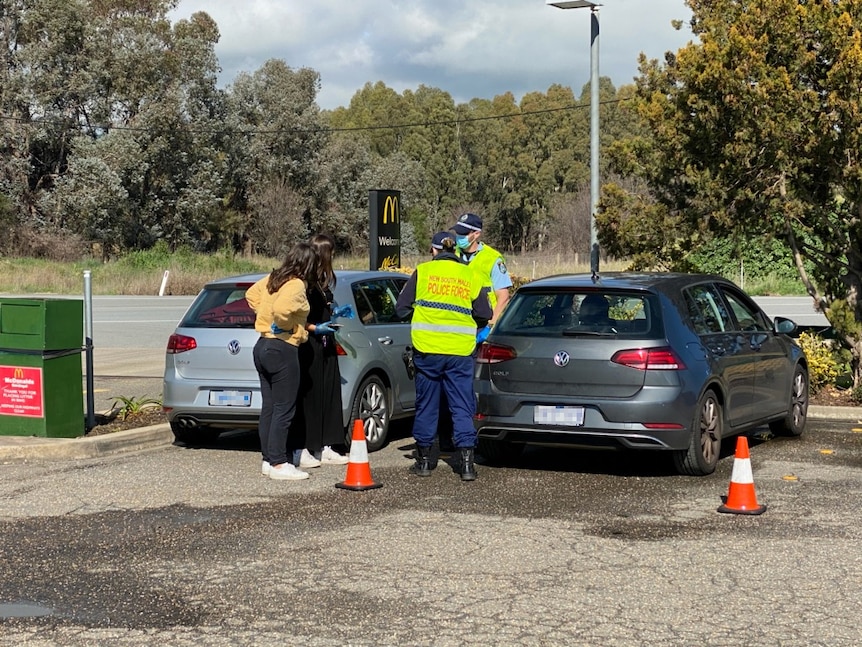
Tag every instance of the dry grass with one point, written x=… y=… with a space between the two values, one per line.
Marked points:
x=31 y=276
x=142 y=275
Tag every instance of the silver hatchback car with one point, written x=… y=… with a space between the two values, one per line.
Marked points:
x=650 y=361
x=211 y=385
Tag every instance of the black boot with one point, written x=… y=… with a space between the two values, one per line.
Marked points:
x=424 y=462
x=468 y=464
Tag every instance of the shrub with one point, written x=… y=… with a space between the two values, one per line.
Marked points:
x=823 y=366
x=132 y=406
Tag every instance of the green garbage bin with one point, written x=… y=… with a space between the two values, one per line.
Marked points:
x=40 y=367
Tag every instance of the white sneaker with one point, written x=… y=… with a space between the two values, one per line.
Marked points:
x=307 y=461
x=265 y=467
x=286 y=472
x=331 y=457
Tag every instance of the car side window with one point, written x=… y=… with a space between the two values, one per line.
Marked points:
x=375 y=301
x=747 y=317
x=706 y=310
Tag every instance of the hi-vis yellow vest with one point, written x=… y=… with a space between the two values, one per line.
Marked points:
x=442 y=320
x=482 y=263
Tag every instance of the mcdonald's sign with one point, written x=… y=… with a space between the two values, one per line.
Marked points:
x=390 y=210
x=384 y=228
x=21 y=391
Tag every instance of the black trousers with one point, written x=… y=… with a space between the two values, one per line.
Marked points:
x=277 y=364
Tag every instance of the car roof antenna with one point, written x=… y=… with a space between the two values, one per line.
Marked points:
x=595 y=276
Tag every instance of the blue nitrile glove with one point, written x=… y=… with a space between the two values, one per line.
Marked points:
x=323 y=328
x=482 y=335
x=275 y=329
x=343 y=311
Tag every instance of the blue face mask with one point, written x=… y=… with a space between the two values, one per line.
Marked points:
x=463 y=242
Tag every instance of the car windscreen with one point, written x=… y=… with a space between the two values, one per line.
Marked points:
x=220 y=307
x=573 y=312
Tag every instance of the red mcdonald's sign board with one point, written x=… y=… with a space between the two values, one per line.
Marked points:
x=21 y=392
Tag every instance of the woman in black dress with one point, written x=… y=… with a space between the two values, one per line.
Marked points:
x=320 y=380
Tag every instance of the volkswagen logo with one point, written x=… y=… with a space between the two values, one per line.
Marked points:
x=561 y=358
x=233 y=347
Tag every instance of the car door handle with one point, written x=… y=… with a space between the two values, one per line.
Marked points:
x=385 y=340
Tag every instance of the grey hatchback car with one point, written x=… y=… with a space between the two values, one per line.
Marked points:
x=646 y=361
x=211 y=385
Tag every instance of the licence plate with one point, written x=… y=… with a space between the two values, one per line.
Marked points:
x=558 y=415
x=230 y=398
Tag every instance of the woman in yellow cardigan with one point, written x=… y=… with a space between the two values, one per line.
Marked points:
x=281 y=309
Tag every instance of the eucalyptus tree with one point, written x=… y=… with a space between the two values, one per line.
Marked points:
x=112 y=103
x=756 y=131
x=278 y=136
x=374 y=114
x=486 y=141
x=433 y=141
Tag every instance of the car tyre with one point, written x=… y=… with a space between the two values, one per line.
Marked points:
x=194 y=436
x=704 y=448
x=497 y=451
x=793 y=424
x=371 y=405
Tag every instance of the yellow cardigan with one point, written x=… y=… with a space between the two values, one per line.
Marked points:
x=288 y=309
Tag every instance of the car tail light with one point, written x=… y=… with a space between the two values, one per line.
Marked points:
x=649 y=359
x=339 y=350
x=180 y=344
x=495 y=353
x=663 y=425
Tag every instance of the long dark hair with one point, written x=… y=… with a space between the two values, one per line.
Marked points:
x=325 y=246
x=300 y=263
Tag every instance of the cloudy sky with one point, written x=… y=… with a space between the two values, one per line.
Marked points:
x=469 y=48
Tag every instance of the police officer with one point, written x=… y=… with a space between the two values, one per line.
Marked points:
x=448 y=301
x=483 y=258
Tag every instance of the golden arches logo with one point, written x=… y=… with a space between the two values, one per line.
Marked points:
x=390 y=209
x=18 y=373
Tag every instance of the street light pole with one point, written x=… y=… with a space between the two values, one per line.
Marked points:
x=594 y=118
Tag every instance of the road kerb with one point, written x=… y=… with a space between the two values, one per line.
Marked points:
x=15 y=449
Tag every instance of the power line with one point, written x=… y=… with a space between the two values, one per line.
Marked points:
x=267 y=131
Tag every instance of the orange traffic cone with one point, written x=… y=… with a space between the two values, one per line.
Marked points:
x=741 y=498
x=358 y=471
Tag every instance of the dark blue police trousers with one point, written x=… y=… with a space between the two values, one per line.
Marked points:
x=453 y=375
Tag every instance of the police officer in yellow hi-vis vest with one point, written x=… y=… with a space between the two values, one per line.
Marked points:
x=449 y=301
x=483 y=258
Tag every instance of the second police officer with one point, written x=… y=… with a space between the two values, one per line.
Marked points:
x=486 y=260
x=448 y=301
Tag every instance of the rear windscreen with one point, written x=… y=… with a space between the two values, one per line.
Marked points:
x=220 y=308
x=573 y=312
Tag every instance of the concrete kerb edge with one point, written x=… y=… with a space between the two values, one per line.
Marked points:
x=61 y=449
x=835 y=413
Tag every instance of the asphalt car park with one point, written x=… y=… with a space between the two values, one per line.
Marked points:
x=180 y=546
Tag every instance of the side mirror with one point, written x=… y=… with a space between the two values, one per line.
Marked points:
x=784 y=326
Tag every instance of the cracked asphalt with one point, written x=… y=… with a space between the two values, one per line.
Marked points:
x=188 y=546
